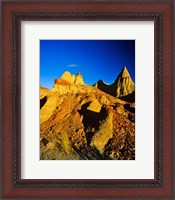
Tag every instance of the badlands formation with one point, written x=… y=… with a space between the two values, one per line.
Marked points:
x=122 y=86
x=82 y=122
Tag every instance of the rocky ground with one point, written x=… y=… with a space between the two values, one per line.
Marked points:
x=78 y=121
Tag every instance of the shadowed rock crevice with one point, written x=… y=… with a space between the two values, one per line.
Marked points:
x=43 y=101
x=129 y=108
x=91 y=120
x=129 y=98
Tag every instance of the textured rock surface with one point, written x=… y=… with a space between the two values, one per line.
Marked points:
x=72 y=78
x=48 y=108
x=79 y=79
x=78 y=121
x=43 y=92
x=69 y=84
x=94 y=106
x=68 y=77
x=104 y=133
x=122 y=86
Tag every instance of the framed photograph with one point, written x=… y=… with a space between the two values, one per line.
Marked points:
x=80 y=116
x=87 y=100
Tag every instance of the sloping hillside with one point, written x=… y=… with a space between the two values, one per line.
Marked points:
x=78 y=121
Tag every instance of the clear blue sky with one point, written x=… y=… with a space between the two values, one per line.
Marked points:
x=94 y=59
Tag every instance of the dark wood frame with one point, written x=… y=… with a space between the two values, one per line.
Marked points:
x=161 y=12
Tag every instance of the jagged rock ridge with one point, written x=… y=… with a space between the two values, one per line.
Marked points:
x=78 y=79
x=68 y=83
x=122 y=86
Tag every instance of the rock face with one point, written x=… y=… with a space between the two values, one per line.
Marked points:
x=78 y=121
x=94 y=106
x=79 y=79
x=124 y=83
x=68 y=77
x=104 y=133
x=68 y=83
x=122 y=86
x=48 y=108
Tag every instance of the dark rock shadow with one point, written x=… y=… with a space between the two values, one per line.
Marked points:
x=129 y=108
x=91 y=120
x=43 y=101
x=129 y=98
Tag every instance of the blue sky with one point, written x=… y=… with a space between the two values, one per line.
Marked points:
x=94 y=59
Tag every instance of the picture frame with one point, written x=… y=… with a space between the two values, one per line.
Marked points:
x=13 y=186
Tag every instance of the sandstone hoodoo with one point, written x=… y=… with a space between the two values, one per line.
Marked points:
x=68 y=83
x=124 y=83
x=78 y=79
x=122 y=86
x=68 y=77
x=82 y=122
